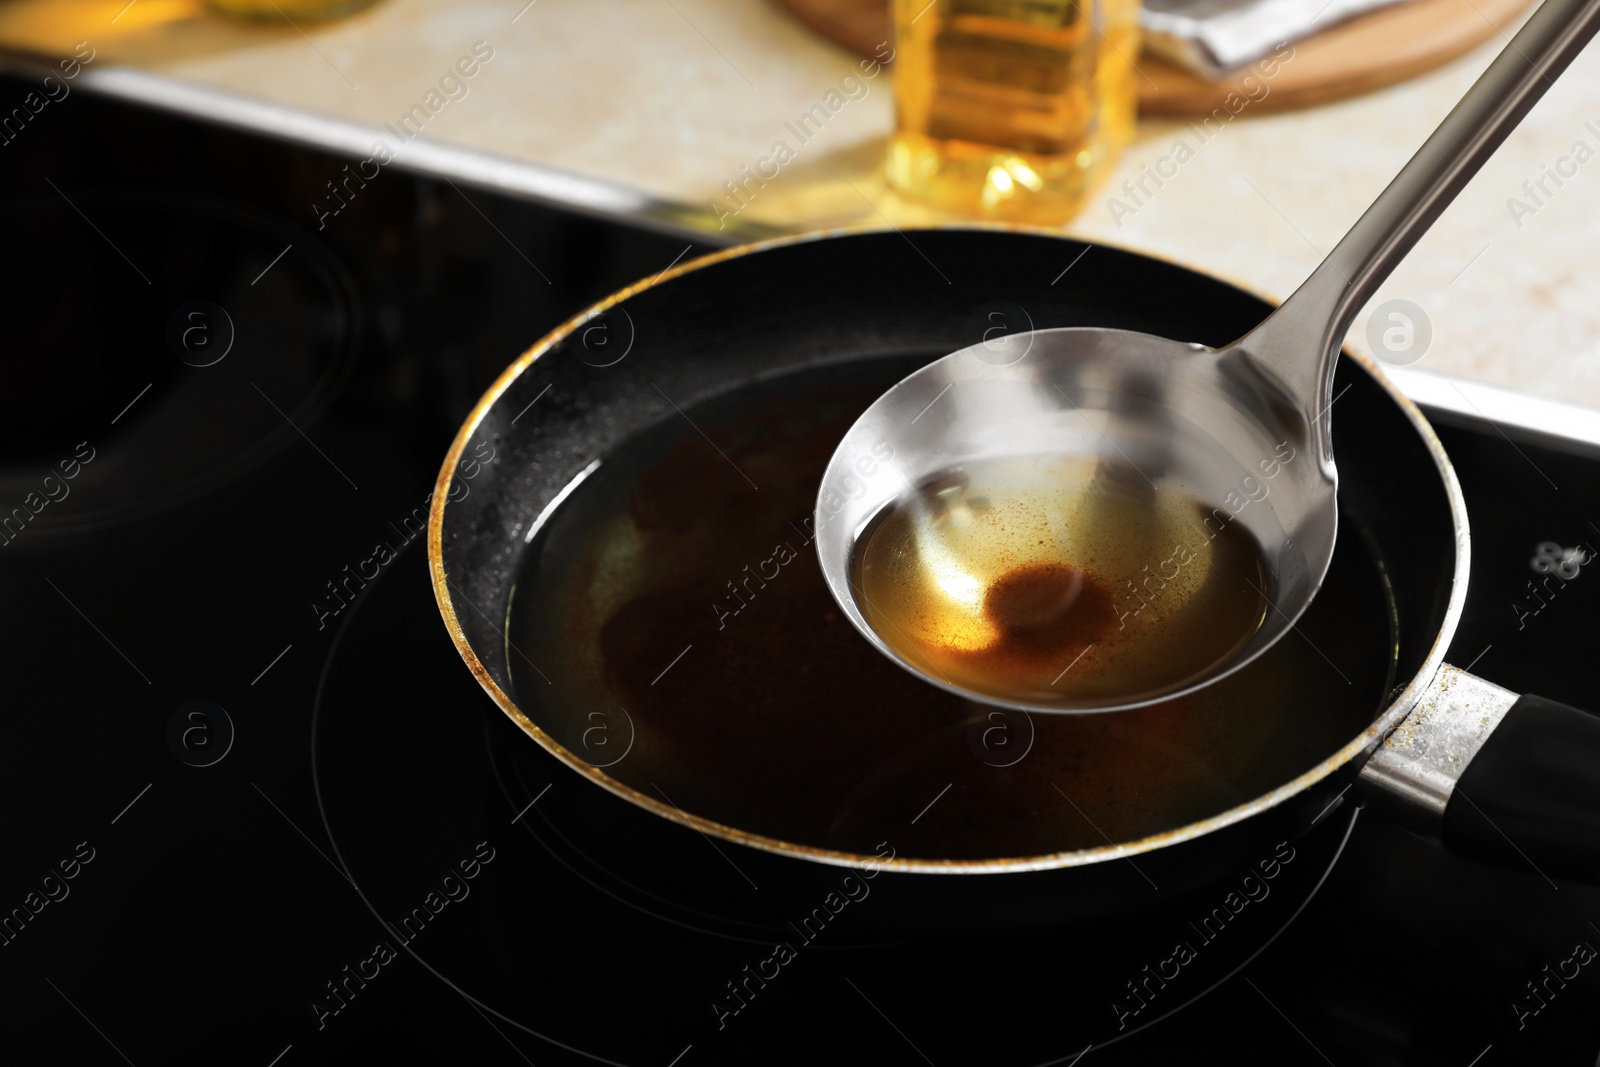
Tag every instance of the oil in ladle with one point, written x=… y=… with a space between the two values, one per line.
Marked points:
x=1059 y=580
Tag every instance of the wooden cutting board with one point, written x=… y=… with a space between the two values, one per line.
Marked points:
x=1365 y=53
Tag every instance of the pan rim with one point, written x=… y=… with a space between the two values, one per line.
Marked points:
x=1362 y=744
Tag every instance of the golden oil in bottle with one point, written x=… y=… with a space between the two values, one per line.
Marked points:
x=1011 y=109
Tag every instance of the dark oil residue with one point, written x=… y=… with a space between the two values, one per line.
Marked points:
x=679 y=612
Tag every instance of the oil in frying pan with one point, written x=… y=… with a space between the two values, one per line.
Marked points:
x=671 y=626
x=1058 y=580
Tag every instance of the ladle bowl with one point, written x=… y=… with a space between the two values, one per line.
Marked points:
x=1176 y=414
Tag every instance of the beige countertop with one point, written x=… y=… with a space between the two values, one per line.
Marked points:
x=668 y=99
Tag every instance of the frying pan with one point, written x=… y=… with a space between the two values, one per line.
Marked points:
x=1500 y=777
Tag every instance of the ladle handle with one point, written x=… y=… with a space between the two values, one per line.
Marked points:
x=1307 y=330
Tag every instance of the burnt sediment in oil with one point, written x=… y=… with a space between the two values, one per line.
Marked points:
x=686 y=642
x=1039 y=609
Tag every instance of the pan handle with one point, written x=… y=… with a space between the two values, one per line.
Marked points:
x=1506 y=779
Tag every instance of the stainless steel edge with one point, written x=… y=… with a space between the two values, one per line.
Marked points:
x=1451 y=399
x=1413 y=773
x=420 y=155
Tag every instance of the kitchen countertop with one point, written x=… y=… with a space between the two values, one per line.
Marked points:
x=648 y=106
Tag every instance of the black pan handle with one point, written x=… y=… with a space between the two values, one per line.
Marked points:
x=1531 y=796
x=1506 y=779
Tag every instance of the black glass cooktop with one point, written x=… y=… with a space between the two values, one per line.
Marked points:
x=257 y=812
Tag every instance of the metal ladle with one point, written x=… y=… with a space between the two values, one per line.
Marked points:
x=1212 y=421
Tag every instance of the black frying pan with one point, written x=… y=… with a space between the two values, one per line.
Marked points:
x=730 y=353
